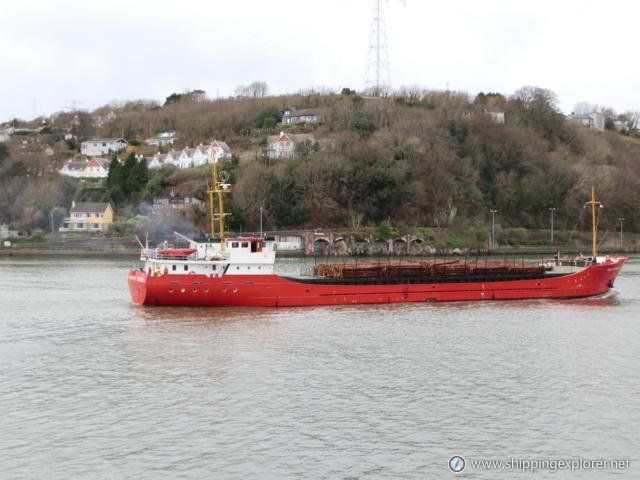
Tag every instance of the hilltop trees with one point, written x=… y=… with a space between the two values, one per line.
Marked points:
x=257 y=89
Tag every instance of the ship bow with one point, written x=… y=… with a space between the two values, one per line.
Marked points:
x=137 y=286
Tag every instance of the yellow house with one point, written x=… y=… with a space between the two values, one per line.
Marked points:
x=88 y=217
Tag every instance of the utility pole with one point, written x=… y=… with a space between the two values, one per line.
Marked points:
x=553 y=211
x=51 y=212
x=621 y=220
x=493 y=228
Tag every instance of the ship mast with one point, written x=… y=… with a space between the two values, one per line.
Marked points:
x=594 y=233
x=218 y=187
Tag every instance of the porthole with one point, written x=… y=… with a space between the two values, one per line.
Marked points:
x=171 y=290
x=195 y=290
x=206 y=290
x=224 y=290
x=237 y=268
x=235 y=290
x=248 y=268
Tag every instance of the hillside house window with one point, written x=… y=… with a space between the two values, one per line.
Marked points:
x=96 y=225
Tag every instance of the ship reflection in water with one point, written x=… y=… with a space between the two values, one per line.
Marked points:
x=95 y=387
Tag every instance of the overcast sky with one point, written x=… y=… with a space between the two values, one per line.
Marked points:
x=98 y=51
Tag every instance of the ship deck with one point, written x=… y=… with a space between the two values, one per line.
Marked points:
x=426 y=279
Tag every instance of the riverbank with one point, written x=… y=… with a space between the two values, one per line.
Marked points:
x=344 y=243
x=134 y=253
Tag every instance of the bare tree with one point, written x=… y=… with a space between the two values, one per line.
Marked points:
x=257 y=89
x=531 y=97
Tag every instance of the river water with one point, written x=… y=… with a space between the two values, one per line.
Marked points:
x=94 y=387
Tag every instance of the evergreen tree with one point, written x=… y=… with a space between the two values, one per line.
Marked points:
x=113 y=172
x=138 y=176
x=127 y=169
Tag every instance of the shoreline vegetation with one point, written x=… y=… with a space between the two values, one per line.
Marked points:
x=515 y=242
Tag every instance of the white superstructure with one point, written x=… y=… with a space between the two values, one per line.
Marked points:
x=240 y=256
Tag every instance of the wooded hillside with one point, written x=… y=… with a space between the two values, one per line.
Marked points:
x=416 y=157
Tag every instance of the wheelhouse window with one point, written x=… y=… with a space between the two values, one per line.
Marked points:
x=173 y=267
x=234 y=244
x=186 y=267
x=245 y=244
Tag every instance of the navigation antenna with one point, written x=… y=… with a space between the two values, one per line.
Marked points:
x=594 y=232
x=218 y=186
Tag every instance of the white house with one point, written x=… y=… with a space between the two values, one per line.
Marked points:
x=94 y=168
x=496 y=115
x=221 y=151
x=192 y=157
x=593 y=120
x=284 y=145
x=5 y=134
x=186 y=158
x=162 y=139
x=6 y=232
x=308 y=115
x=158 y=160
x=620 y=125
x=102 y=146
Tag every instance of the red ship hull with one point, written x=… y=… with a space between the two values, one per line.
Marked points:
x=277 y=291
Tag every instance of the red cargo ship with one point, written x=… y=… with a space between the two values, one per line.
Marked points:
x=240 y=272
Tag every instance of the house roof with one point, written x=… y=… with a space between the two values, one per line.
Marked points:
x=294 y=137
x=225 y=148
x=302 y=113
x=103 y=162
x=75 y=165
x=110 y=140
x=89 y=207
x=188 y=151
